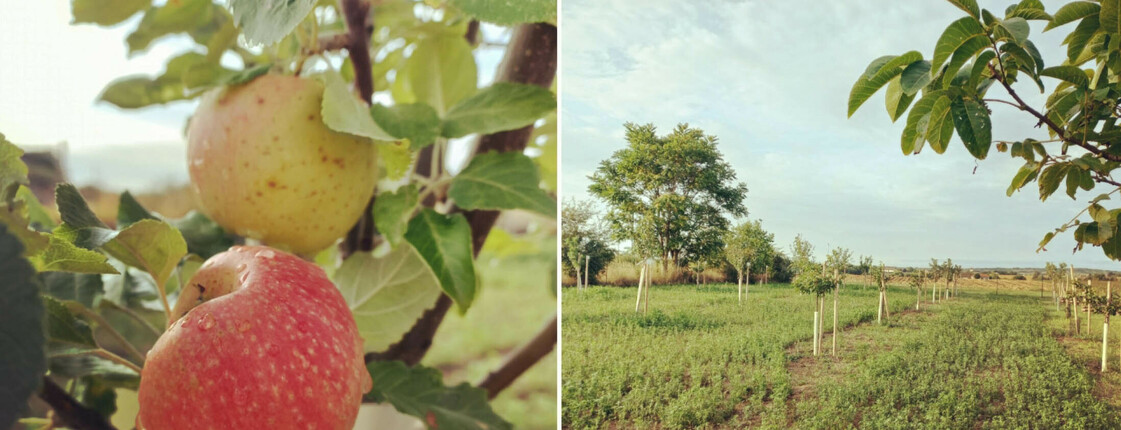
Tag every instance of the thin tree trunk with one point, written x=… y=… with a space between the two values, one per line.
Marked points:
x=821 y=320
x=641 y=279
x=747 y=281
x=836 y=297
x=739 y=285
x=817 y=321
x=1105 y=325
x=1077 y=325
x=579 y=285
x=646 y=296
x=587 y=263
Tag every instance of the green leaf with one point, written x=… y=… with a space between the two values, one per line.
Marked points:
x=15 y=216
x=969 y=6
x=1077 y=40
x=73 y=209
x=508 y=13
x=266 y=22
x=968 y=49
x=173 y=17
x=204 y=237
x=345 y=112
x=139 y=91
x=22 y=335
x=1046 y=239
x=417 y=122
x=1029 y=10
x=1071 y=12
x=247 y=75
x=866 y=86
x=63 y=256
x=941 y=126
x=440 y=72
x=1109 y=19
x=1026 y=174
x=1050 y=179
x=500 y=107
x=971 y=119
x=13 y=172
x=914 y=134
x=896 y=101
x=130 y=211
x=501 y=180
x=396 y=158
x=386 y=294
x=955 y=35
x=83 y=288
x=153 y=246
x=1017 y=28
x=104 y=13
x=419 y=391
x=445 y=244
x=980 y=67
x=915 y=76
x=66 y=332
x=1070 y=74
x=392 y=211
x=1074 y=180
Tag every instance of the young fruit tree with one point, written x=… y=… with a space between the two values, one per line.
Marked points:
x=838 y=261
x=880 y=276
x=747 y=245
x=586 y=248
x=915 y=280
x=816 y=284
x=358 y=237
x=936 y=273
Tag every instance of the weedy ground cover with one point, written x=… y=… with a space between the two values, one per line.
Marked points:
x=698 y=360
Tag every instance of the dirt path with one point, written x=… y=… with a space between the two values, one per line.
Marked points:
x=807 y=372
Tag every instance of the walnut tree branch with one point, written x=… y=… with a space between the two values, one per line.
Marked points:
x=68 y=410
x=531 y=58
x=521 y=360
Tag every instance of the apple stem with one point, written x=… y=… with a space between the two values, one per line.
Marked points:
x=521 y=360
x=69 y=410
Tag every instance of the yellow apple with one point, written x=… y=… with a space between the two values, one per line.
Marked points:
x=265 y=166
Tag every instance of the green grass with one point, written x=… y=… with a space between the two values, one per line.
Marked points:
x=699 y=360
x=514 y=302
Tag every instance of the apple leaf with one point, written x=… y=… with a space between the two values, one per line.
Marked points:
x=386 y=294
x=73 y=208
x=267 y=22
x=66 y=333
x=154 y=246
x=420 y=391
x=172 y=17
x=445 y=244
x=22 y=335
x=508 y=12
x=501 y=180
x=15 y=216
x=37 y=215
x=13 y=172
x=417 y=122
x=344 y=112
x=204 y=236
x=63 y=256
x=83 y=288
x=502 y=106
x=130 y=211
x=397 y=159
x=392 y=211
x=440 y=72
x=105 y=12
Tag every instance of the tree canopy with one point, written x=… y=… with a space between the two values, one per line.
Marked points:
x=584 y=236
x=670 y=195
x=748 y=244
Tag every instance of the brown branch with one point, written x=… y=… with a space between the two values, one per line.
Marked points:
x=531 y=58
x=356 y=14
x=521 y=360
x=1043 y=119
x=331 y=42
x=68 y=410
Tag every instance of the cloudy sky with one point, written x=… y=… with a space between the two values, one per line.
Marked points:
x=771 y=80
x=51 y=73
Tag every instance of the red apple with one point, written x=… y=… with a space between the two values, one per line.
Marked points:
x=260 y=339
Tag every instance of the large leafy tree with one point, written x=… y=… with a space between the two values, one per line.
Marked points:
x=584 y=237
x=953 y=93
x=669 y=195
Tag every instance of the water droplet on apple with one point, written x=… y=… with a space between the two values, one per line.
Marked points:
x=265 y=253
x=206 y=322
x=197 y=162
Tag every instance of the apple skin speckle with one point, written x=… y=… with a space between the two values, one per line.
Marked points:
x=249 y=148
x=268 y=339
